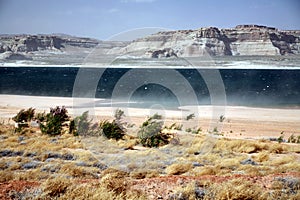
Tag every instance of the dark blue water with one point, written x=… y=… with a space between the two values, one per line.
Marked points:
x=246 y=87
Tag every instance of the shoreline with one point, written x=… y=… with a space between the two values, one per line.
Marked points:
x=259 y=67
x=240 y=121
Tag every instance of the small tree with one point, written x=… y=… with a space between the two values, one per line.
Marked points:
x=221 y=118
x=190 y=116
x=111 y=130
x=119 y=114
x=54 y=120
x=81 y=124
x=281 y=137
x=24 y=115
x=150 y=134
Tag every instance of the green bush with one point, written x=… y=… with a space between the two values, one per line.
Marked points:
x=72 y=128
x=188 y=130
x=81 y=124
x=197 y=131
x=52 y=126
x=40 y=116
x=53 y=121
x=190 y=116
x=221 y=118
x=175 y=126
x=280 y=139
x=294 y=139
x=150 y=133
x=112 y=130
x=24 y=115
x=119 y=114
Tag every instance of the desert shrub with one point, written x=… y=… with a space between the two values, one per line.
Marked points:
x=150 y=134
x=197 y=131
x=111 y=130
x=52 y=126
x=280 y=139
x=294 y=139
x=119 y=114
x=215 y=130
x=175 y=126
x=61 y=113
x=221 y=118
x=188 y=130
x=81 y=124
x=22 y=118
x=54 y=120
x=40 y=116
x=72 y=128
x=24 y=115
x=156 y=116
x=190 y=116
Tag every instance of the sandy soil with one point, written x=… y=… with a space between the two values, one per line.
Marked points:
x=240 y=122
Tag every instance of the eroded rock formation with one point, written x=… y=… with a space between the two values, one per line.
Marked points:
x=241 y=40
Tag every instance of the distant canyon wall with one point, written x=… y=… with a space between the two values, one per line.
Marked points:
x=241 y=40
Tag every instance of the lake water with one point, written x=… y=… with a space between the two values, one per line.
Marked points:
x=243 y=87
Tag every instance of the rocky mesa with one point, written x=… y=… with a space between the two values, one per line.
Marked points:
x=241 y=40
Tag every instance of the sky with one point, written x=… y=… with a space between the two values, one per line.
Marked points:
x=102 y=19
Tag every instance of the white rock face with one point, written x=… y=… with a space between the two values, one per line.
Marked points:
x=254 y=48
x=242 y=40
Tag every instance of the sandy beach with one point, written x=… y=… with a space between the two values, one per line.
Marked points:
x=240 y=122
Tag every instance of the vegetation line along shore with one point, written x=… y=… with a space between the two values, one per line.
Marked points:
x=54 y=156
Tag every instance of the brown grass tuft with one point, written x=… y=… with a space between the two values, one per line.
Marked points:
x=261 y=157
x=178 y=168
x=235 y=189
x=55 y=187
x=208 y=170
x=6 y=176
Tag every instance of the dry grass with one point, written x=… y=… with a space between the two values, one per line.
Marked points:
x=143 y=173
x=31 y=175
x=6 y=175
x=249 y=146
x=77 y=171
x=55 y=187
x=261 y=157
x=208 y=170
x=235 y=189
x=224 y=159
x=178 y=168
x=187 y=192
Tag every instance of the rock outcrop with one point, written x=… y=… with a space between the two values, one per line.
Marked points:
x=165 y=53
x=241 y=40
x=30 y=43
x=14 y=56
x=54 y=48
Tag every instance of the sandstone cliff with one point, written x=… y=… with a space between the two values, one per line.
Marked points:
x=241 y=40
x=29 y=43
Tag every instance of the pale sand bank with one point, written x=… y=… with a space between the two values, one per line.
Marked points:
x=239 y=121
